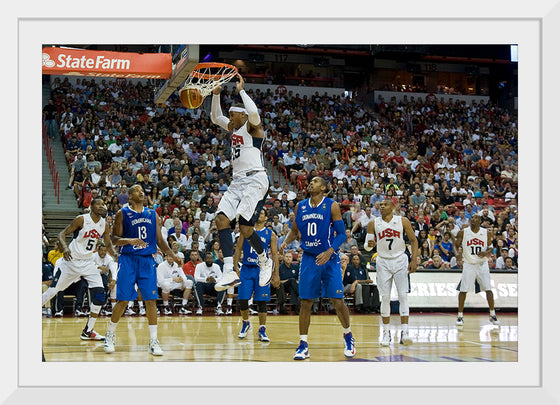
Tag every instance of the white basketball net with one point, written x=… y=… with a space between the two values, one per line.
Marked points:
x=205 y=77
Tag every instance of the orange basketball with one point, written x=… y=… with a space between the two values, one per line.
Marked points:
x=191 y=97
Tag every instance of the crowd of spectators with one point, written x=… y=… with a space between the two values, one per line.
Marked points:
x=440 y=161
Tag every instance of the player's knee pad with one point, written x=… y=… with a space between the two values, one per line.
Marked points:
x=403 y=304
x=386 y=305
x=97 y=295
x=243 y=305
x=261 y=306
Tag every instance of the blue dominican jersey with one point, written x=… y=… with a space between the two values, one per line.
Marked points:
x=250 y=257
x=139 y=225
x=314 y=224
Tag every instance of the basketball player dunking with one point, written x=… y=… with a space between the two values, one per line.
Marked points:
x=246 y=194
x=392 y=264
x=474 y=241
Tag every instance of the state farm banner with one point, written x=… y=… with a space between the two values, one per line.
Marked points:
x=82 y=62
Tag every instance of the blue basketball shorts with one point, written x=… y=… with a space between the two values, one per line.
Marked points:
x=136 y=270
x=249 y=276
x=320 y=281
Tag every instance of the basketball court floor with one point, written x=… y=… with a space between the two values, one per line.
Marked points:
x=210 y=338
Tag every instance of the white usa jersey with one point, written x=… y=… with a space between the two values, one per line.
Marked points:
x=474 y=243
x=246 y=152
x=85 y=240
x=390 y=238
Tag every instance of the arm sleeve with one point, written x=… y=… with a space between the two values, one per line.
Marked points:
x=251 y=107
x=340 y=234
x=216 y=114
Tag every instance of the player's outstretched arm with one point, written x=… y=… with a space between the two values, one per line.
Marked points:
x=216 y=115
x=250 y=106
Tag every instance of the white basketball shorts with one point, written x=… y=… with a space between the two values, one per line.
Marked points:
x=71 y=271
x=472 y=272
x=389 y=270
x=243 y=195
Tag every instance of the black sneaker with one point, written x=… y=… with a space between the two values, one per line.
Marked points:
x=91 y=335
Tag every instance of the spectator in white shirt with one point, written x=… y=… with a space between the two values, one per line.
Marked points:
x=206 y=274
x=170 y=278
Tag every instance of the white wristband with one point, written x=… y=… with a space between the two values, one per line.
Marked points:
x=369 y=236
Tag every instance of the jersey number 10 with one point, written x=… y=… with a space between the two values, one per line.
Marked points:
x=312 y=228
x=475 y=250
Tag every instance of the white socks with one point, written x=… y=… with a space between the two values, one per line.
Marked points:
x=153 y=331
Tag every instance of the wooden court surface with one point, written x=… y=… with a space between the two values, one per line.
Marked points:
x=211 y=338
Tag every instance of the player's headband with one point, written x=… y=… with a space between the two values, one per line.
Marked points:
x=237 y=109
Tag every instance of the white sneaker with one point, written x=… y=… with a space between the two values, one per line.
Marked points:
x=219 y=311
x=459 y=321
x=142 y=311
x=167 y=310
x=59 y=313
x=265 y=274
x=229 y=311
x=184 y=311
x=130 y=312
x=494 y=320
x=154 y=347
x=199 y=311
x=386 y=338
x=405 y=338
x=230 y=279
x=253 y=312
x=109 y=345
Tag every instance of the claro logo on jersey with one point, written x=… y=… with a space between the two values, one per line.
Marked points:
x=475 y=242
x=93 y=234
x=389 y=233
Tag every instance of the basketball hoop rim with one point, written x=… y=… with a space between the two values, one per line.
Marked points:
x=213 y=65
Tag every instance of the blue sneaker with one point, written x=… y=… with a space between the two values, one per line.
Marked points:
x=349 y=345
x=244 y=330
x=262 y=335
x=302 y=351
